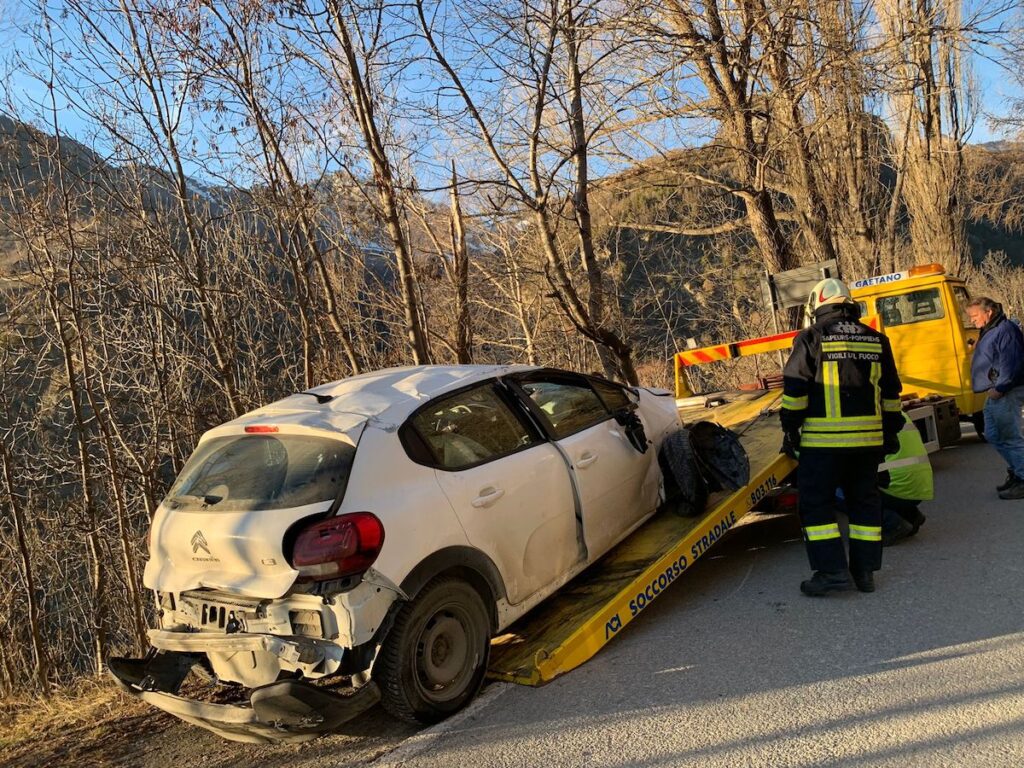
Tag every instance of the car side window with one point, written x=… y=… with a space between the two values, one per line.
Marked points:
x=470 y=428
x=613 y=395
x=567 y=406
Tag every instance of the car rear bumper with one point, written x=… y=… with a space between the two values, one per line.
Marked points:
x=288 y=710
x=303 y=652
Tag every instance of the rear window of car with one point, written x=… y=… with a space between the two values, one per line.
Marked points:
x=469 y=428
x=256 y=472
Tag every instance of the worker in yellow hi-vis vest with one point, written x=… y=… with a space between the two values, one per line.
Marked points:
x=841 y=411
x=904 y=481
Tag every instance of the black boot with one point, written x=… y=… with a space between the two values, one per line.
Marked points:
x=823 y=582
x=865 y=580
x=1010 y=478
x=1014 y=491
x=900 y=529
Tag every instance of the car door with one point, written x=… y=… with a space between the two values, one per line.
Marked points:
x=508 y=485
x=609 y=472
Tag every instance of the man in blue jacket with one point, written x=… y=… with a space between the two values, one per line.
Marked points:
x=998 y=369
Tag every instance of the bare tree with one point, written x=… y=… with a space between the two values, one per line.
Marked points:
x=930 y=100
x=722 y=45
x=551 y=53
x=346 y=47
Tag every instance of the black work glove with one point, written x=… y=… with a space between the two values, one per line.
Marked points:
x=891 y=443
x=790 y=444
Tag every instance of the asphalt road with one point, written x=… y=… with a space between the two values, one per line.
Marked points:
x=733 y=667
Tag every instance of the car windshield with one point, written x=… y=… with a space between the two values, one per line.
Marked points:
x=255 y=472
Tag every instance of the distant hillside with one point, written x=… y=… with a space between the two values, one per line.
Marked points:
x=653 y=191
x=28 y=159
x=1001 y=145
x=29 y=162
x=995 y=199
x=658 y=191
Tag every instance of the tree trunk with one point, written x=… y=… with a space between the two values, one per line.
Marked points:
x=460 y=273
x=40 y=658
x=383 y=178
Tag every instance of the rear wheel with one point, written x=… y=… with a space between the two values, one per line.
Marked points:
x=432 y=662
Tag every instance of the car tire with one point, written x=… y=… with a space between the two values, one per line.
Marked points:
x=676 y=456
x=433 y=661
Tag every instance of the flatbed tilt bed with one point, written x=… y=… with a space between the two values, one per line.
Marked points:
x=573 y=625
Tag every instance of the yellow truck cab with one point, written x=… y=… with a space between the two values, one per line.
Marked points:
x=923 y=312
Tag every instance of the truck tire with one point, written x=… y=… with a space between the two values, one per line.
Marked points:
x=432 y=662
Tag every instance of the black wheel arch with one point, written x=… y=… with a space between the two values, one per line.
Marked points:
x=470 y=564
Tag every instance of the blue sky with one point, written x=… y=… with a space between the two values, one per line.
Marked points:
x=996 y=86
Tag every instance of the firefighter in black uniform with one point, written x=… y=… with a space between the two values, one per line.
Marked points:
x=841 y=413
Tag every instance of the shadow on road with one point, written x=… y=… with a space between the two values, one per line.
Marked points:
x=934 y=658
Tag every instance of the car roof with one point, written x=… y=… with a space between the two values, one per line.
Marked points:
x=388 y=395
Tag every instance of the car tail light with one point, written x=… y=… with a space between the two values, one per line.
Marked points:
x=260 y=429
x=786 y=501
x=339 y=546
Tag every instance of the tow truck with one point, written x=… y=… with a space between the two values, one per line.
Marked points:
x=921 y=310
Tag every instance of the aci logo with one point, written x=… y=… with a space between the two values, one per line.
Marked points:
x=612 y=626
x=199 y=542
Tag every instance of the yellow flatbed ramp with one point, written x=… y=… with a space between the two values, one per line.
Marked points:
x=575 y=623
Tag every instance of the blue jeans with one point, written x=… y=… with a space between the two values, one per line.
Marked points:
x=1003 y=428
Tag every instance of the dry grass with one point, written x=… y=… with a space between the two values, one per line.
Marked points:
x=92 y=724
x=79 y=724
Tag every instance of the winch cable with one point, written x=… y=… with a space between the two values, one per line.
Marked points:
x=766 y=411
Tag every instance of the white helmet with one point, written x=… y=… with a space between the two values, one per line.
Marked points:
x=829 y=291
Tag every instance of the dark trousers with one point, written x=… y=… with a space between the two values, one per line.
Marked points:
x=820 y=474
x=905 y=508
x=893 y=509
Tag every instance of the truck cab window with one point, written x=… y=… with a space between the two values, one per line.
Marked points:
x=962 y=297
x=912 y=307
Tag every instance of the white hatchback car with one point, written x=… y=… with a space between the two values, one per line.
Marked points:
x=371 y=535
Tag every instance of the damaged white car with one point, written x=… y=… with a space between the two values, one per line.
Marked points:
x=363 y=541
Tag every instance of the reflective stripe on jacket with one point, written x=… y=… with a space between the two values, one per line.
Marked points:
x=909 y=470
x=841 y=388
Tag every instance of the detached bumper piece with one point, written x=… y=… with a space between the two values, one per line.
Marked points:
x=288 y=710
